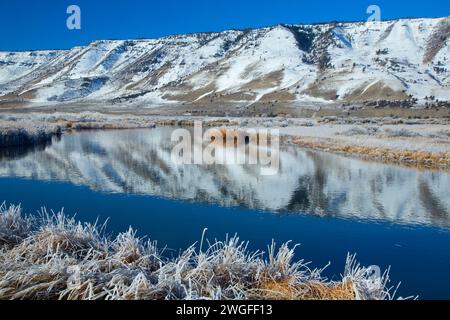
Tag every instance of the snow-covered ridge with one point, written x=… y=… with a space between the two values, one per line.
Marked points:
x=344 y=62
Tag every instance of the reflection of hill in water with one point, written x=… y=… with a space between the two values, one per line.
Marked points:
x=311 y=182
x=18 y=152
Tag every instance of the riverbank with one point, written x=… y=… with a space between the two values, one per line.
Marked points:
x=26 y=133
x=413 y=142
x=418 y=145
x=57 y=257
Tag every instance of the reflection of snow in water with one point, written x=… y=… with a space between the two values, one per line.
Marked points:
x=310 y=182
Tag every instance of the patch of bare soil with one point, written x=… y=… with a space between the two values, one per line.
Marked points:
x=376 y=91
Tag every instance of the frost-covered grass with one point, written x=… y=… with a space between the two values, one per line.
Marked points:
x=55 y=257
x=96 y=120
x=80 y=121
x=391 y=132
x=17 y=133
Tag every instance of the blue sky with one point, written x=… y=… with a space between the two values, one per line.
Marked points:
x=41 y=24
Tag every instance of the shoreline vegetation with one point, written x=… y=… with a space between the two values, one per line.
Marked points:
x=26 y=133
x=53 y=256
x=409 y=158
x=423 y=143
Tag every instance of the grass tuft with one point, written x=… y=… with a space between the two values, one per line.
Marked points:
x=53 y=256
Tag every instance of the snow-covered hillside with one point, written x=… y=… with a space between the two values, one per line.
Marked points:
x=338 y=62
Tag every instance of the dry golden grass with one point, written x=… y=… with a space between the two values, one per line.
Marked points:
x=286 y=290
x=407 y=157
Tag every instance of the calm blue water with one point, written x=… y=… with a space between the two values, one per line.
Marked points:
x=389 y=216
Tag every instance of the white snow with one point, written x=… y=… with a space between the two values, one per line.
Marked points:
x=361 y=55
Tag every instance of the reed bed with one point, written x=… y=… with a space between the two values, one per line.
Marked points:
x=53 y=256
